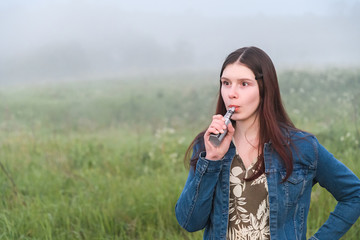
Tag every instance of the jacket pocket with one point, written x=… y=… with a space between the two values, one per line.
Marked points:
x=294 y=186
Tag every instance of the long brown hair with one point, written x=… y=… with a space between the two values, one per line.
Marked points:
x=273 y=118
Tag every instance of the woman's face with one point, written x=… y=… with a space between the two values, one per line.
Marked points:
x=240 y=89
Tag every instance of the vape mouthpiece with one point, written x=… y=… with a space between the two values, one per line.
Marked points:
x=216 y=139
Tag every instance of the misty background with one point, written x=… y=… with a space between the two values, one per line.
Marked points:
x=67 y=40
x=101 y=98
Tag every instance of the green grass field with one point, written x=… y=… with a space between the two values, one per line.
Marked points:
x=104 y=159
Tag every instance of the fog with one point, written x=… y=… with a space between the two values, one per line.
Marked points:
x=59 y=40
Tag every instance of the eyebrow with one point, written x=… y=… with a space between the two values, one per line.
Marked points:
x=238 y=79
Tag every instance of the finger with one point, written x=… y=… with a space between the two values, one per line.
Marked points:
x=220 y=126
x=212 y=130
x=230 y=128
x=230 y=133
x=217 y=125
x=218 y=116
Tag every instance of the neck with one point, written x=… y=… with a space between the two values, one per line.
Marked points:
x=247 y=131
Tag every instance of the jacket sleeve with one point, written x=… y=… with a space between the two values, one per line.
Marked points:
x=344 y=185
x=194 y=205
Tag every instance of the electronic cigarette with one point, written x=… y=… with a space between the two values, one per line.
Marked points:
x=216 y=139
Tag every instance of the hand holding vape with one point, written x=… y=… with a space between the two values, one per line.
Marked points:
x=216 y=139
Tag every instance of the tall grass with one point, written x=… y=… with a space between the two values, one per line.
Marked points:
x=103 y=159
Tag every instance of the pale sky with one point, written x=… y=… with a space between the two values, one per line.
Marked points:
x=117 y=36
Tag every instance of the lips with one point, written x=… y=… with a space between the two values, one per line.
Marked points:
x=236 y=107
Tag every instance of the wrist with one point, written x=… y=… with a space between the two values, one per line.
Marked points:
x=213 y=157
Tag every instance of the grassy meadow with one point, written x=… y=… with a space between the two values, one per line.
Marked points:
x=103 y=159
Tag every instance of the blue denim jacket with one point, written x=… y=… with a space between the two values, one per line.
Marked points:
x=204 y=201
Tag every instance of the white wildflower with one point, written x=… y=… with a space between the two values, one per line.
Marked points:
x=181 y=140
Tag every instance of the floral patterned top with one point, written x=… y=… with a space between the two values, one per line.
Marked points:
x=249 y=204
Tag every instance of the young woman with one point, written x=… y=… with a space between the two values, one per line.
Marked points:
x=257 y=183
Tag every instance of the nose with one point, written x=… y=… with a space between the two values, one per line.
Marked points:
x=233 y=93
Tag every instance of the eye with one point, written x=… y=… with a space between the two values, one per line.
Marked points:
x=225 y=83
x=244 y=84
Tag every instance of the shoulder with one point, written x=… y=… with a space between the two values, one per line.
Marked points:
x=305 y=147
x=297 y=136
